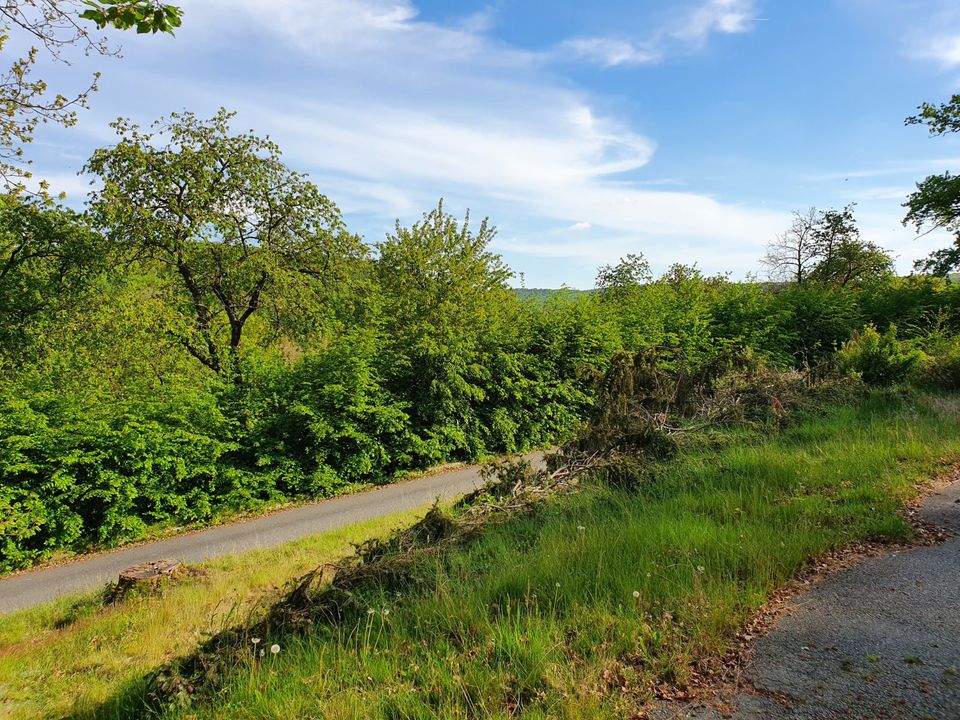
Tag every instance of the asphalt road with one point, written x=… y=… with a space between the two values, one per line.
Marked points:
x=878 y=641
x=92 y=571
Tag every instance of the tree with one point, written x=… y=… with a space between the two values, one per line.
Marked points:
x=46 y=255
x=843 y=257
x=631 y=271
x=233 y=230
x=55 y=26
x=791 y=255
x=825 y=247
x=445 y=308
x=936 y=201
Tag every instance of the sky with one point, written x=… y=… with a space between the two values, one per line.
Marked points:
x=686 y=131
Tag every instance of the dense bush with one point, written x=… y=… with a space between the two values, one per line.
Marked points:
x=878 y=359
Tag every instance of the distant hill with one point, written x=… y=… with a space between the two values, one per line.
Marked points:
x=543 y=293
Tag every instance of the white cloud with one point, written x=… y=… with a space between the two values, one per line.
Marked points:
x=580 y=226
x=689 y=30
x=944 y=49
x=718 y=16
x=610 y=51
x=388 y=112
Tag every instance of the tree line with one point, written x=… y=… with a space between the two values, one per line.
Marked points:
x=209 y=336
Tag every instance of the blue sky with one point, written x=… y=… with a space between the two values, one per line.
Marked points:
x=687 y=131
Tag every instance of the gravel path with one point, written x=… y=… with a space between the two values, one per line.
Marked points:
x=36 y=586
x=878 y=641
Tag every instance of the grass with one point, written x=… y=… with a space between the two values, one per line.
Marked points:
x=580 y=609
x=73 y=654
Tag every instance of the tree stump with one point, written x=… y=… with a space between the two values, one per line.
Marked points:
x=146 y=576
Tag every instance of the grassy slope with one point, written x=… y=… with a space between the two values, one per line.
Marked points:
x=71 y=655
x=540 y=615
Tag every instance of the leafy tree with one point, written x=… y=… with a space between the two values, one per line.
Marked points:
x=936 y=201
x=444 y=295
x=232 y=229
x=46 y=254
x=55 y=26
x=631 y=271
x=825 y=247
x=842 y=255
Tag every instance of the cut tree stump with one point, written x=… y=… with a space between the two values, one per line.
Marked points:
x=146 y=576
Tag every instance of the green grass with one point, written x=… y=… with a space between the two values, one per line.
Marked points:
x=73 y=654
x=539 y=617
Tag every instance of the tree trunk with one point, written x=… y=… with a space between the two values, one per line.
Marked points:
x=146 y=576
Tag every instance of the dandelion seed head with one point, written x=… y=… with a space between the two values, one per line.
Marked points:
x=255 y=641
x=274 y=648
x=636 y=594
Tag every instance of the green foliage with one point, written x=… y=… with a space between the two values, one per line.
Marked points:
x=330 y=415
x=146 y=16
x=73 y=475
x=878 y=359
x=48 y=258
x=936 y=201
x=232 y=230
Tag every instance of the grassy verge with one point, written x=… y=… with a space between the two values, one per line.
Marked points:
x=70 y=655
x=580 y=609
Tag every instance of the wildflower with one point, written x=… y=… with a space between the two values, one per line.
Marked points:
x=255 y=641
x=558 y=584
x=370 y=611
x=636 y=594
x=581 y=528
x=274 y=648
x=386 y=611
x=700 y=568
x=261 y=652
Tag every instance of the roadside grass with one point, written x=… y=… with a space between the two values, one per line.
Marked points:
x=74 y=653
x=582 y=608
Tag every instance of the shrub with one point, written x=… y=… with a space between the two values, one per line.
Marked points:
x=878 y=359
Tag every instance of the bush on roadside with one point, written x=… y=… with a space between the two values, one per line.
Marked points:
x=878 y=359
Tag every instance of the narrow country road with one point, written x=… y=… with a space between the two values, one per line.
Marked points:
x=36 y=586
x=879 y=641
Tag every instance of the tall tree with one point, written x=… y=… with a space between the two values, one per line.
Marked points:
x=843 y=256
x=232 y=228
x=936 y=201
x=52 y=27
x=825 y=247
x=792 y=254
x=445 y=298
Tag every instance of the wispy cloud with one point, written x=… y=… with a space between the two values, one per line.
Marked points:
x=690 y=30
x=718 y=16
x=943 y=49
x=608 y=51
x=388 y=112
